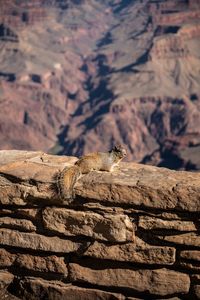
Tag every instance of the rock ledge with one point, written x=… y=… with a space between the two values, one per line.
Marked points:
x=133 y=233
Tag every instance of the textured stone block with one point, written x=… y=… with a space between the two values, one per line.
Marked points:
x=187 y=239
x=36 y=241
x=47 y=264
x=190 y=266
x=150 y=223
x=18 y=224
x=160 y=282
x=135 y=185
x=109 y=227
x=190 y=254
x=6 y=258
x=138 y=252
x=34 y=289
x=37 y=177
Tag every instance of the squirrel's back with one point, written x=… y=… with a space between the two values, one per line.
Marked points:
x=98 y=161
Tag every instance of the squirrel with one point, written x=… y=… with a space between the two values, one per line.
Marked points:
x=97 y=161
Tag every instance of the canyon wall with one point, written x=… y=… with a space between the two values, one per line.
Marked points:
x=77 y=76
x=17 y=15
x=130 y=234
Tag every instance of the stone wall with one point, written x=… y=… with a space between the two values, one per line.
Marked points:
x=131 y=234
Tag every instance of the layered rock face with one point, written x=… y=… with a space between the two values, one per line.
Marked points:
x=130 y=234
x=76 y=76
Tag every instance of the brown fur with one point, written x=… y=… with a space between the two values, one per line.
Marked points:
x=98 y=161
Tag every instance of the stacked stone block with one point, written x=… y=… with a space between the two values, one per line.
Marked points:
x=130 y=234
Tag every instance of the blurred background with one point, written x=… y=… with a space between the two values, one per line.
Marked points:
x=78 y=76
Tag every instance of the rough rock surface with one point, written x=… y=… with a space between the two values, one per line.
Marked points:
x=24 y=225
x=193 y=255
x=157 y=282
x=116 y=228
x=36 y=241
x=150 y=223
x=122 y=236
x=32 y=181
x=191 y=239
x=77 y=75
x=45 y=263
x=138 y=252
x=29 y=288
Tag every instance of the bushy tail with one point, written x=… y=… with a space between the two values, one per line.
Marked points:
x=66 y=181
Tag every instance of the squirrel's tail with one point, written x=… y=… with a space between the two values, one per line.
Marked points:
x=66 y=181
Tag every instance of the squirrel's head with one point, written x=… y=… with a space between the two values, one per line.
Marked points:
x=119 y=151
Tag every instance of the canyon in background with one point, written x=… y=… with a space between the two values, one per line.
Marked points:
x=80 y=75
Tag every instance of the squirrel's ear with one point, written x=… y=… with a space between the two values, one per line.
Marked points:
x=118 y=147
